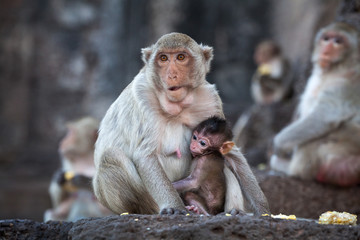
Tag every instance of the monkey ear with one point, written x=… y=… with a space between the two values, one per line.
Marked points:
x=226 y=147
x=146 y=53
x=208 y=55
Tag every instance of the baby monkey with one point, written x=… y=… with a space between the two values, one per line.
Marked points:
x=203 y=191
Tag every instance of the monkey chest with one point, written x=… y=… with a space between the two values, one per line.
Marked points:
x=175 y=140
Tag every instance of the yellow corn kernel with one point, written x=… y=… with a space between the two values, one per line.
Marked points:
x=333 y=217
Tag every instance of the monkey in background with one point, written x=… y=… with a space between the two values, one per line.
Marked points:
x=70 y=189
x=324 y=142
x=271 y=89
x=204 y=189
x=271 y=81
x=144 y=136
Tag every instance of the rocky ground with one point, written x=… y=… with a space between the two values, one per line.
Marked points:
x=177 y=227
x=307 y=200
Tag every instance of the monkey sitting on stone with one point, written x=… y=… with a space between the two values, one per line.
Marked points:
x=203 y=191
x=324 y=142
x=166 y=100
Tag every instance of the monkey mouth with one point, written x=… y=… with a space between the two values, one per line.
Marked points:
x=175 y=88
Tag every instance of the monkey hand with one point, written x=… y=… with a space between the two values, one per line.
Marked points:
x=173 y=211
x=81 y=181
x=282 y=153
x=60 y=178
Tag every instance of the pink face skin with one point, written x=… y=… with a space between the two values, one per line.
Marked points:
x=332 y=49
x=70 y=140
x=199 y=144
x=175 y=68
x=263 y=55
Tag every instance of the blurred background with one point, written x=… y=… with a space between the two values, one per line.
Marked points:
x=64 y=59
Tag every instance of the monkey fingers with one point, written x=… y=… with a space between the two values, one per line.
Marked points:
x=194 y=209
x=60 y=178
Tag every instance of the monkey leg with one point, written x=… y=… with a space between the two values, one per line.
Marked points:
x=195 y=202
x=328 y=162
x=119 y=187
x=279 y=164
x=305 y=161
x=61 y=212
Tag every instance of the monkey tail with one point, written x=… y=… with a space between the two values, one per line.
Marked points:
x=251 y=190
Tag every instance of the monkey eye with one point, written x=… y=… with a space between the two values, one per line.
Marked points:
x=163 y=58
x=338 y=40
x=194 y=137
x=181 y=57
x=203 y=143
x=325 y=38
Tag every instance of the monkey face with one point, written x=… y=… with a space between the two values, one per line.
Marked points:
x=175 y=67
x=67 y=146
x=199 y=144
x=332 y=48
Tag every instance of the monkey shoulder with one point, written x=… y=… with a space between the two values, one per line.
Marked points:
x=205 y=103
x=211 y=162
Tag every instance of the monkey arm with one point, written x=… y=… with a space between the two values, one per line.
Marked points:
x=186 y=184
x=328 y=114
x=158 y=184
x=82 y=181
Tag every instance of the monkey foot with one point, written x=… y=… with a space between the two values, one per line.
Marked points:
x=173 y=211
x=237 y=212
x=194 y=209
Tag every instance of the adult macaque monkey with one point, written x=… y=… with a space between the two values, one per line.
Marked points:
x=70 y=189
x=325 y=140
x=271 y=81
x=144 y=137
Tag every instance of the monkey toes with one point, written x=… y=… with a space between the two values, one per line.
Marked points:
x=193 y=209
x=173 y=211
x=237 y=212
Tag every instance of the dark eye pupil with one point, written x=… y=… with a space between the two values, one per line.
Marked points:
x=163 y=58
x=337 y=40
x=181 y=57
x=194 y=137
x=202 y=143
x=326 y=38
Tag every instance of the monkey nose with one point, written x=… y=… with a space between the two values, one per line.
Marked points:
x=172 y=76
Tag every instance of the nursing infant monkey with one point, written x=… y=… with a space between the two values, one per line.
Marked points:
x=324 y=142
x=204 y=189
x=143 y=140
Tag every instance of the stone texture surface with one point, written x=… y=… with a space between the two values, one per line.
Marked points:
x=307 y=199
x=177 y=227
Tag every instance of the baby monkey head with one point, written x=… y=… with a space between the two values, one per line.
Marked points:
x=213 y=134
